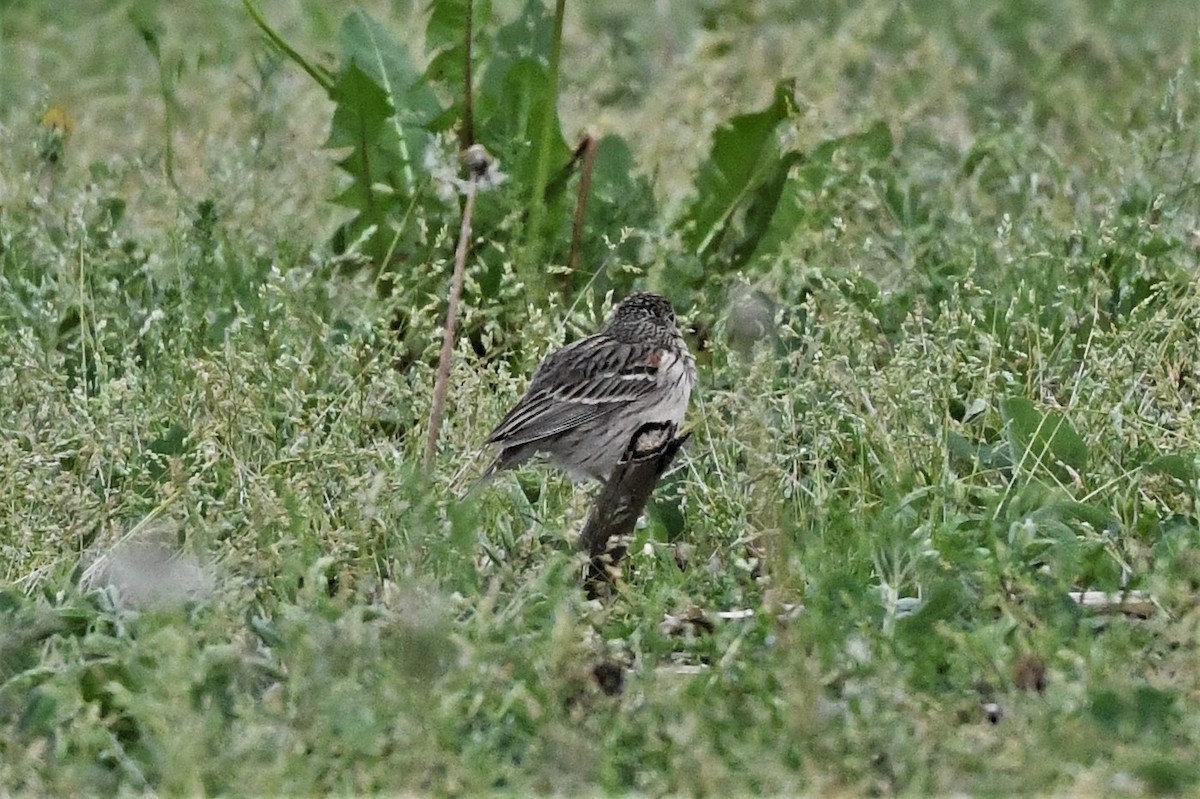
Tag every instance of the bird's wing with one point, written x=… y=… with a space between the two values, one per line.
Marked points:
x=577 y=384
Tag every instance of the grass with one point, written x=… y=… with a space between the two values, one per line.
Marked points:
x=965 y=388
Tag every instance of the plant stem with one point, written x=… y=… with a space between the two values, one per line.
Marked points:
x=442 y=381
x=466 y=135
x=319 y=74
x=168 y=97
x=537 y=200
x=585 y=189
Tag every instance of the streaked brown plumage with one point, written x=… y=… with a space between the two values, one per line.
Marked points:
x=587 y=399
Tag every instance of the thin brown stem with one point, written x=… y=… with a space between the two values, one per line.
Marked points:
x=585 y=189
x=442 y=381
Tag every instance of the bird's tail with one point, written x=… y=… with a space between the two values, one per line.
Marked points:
x=508 y=458
x=460 y=475
x=482 y=480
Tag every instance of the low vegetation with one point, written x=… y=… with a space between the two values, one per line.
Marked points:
x=939 y=266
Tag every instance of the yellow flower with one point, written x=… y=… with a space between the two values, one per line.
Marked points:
x=57 y=125
x=59 y=121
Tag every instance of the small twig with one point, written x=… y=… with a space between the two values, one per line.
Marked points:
x=478 y=163
x=615 y=512
x=585 y=189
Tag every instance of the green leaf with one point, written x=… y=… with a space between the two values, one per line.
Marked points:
x=530 y=34
x=1157 y=245
x=744 y=151
x=961 y=449
x=510 y=111
x=1152 y=706
x=447 y=22
x=774 y=212
x=383 y=108
x=362 y=110
x=386 y=60
x=445 y=40
x=787 y=200
x=614 y=175
x=526 y=40
x=875 y=143
x=1098 y=518
x=1042 y=439
x=1106 y=708
x=621 y=196
x=870 y=146
x=1181 y=467
x=943 y=600
x=143 y=15
x=1167 y=774
x=527 y=92
x=377 y=158
x=979 y=456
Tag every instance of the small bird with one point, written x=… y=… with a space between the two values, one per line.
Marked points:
x=587 y=399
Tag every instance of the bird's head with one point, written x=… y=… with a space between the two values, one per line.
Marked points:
x=642 y=307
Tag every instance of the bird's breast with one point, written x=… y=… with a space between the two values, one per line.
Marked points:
x=677 y=375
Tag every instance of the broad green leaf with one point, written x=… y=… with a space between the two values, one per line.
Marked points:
x=793 y=206
x=773 y=213
x=1157 y=245
x=1181 y=467
x=1046 y=438
x=362 y=108
x=870 y=146
x=744 y=150
x=1174 y=536
x=942 y=601
x=980 y=456
x=370 y=48
x=510 y=112
x=386 y=60
x=517 y=119
x=961 y=449
x=362 y=122
x=445 y=41
x=527 y=38
x=362 y=111
x=1068 y=511
x=614 y=175
x=530 y=34
x=621 y=198
x=448 y=22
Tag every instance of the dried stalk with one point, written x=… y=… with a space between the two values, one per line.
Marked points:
x=622 y=500
x=442 y=381
x=585 y=189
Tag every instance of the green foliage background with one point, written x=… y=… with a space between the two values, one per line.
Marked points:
x=939 y=262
